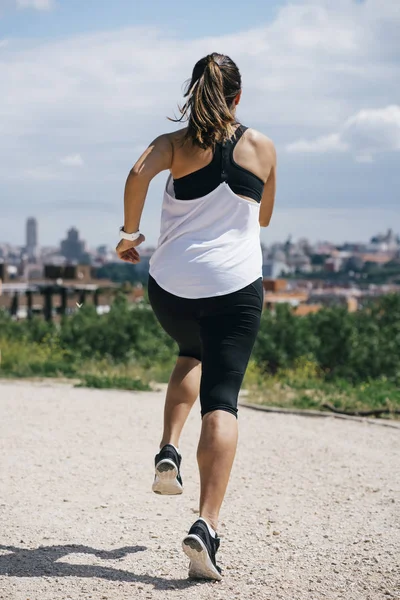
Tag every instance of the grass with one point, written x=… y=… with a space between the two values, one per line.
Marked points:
x=114 y=383
x=304 y=388
x=20 y=358
x=23 y=359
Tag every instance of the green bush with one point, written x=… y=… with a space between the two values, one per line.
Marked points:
x=127 y=332
x=128 y=335
x=357 y=346
x=353 y=347
x=282 y=339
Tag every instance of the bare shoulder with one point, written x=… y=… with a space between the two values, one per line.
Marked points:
x=167 y=142
x=173 y=137
x=261 y=143
x=177 y=139
x=162 y=142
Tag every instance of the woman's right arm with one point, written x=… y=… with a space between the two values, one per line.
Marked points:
x=156 y=158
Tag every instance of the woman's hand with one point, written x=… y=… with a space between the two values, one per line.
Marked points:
x=127 y=252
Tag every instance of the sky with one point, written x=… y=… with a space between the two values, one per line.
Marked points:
x=86 y=85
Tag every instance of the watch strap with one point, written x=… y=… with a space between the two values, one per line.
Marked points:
x=128 y=236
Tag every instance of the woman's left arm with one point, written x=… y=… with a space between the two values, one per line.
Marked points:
x=156 y=158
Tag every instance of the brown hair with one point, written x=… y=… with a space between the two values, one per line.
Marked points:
x=214 y=85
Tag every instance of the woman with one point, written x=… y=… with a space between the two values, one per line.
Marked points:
x=205 y=282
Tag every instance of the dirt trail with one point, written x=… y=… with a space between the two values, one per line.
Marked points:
x=312 y=510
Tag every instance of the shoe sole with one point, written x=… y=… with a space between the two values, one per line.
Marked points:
x=165 y=480
x=201 y=566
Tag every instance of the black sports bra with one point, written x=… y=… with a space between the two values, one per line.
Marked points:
x=221 y=168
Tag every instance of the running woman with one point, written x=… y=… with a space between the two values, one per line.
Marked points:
x=205 y=281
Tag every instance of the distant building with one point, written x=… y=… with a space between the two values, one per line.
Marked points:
x=278 y=255
x=103 y=255
x=385 y=242
x=333 y=264
x=31 y=238
x=272 y=269
x=74 y=249
x=379 y=258
x=335 y=297
x=102 y=250
x=142 y=267
x=299 y=263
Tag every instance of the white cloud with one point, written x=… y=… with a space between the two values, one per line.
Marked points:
x=370 y=132
x=310 y=68
x=108 y=93
x=36 y=4
x=365 y=134
x=324 y=143
x=72 y=160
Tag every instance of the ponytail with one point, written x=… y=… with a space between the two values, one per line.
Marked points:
x=214 y=85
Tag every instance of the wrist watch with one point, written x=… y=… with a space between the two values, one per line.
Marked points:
x=128 y=236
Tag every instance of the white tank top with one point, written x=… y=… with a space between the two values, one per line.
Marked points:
x=208 y=246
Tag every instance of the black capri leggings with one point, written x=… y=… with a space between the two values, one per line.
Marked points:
x=219 y=331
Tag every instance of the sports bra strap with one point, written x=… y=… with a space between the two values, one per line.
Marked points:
x=227 y=150
x=221 y=169
x=224 y=161
x=238 y=134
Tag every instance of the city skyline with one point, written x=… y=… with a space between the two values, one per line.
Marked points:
x=304 y=223
x=79 y=238
x=361 y=264
x=84 y=100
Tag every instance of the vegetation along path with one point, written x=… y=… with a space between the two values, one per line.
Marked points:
x=312 y=510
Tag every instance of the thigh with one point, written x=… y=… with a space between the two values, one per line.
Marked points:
x=177 y=317
x=228 y=330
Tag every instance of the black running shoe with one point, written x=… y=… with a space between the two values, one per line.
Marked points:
x=168 y=479
x=201 y=547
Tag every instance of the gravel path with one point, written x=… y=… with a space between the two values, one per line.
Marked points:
x=312 y=511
